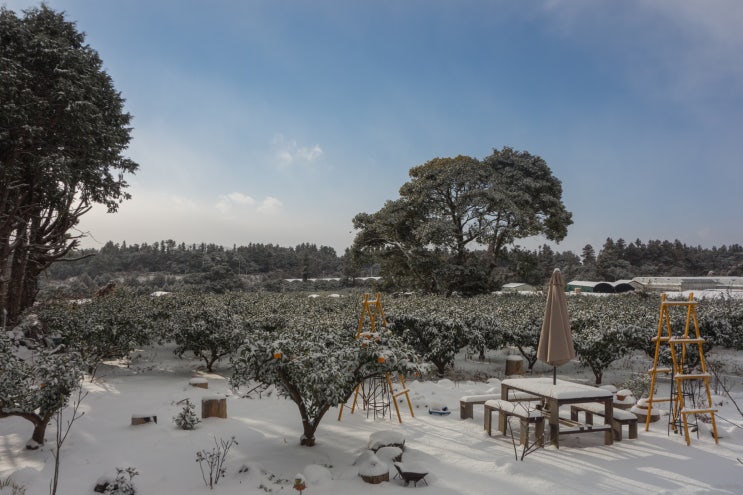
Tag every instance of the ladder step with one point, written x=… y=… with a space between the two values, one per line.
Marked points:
x=698 y=411
x=661 y=338
x=660 y=370
x=679 y=303
x=681 y=340
x=401 y=392
x=692 y=376
x=658 y=399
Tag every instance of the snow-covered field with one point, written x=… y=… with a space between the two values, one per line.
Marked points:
x=458 y=454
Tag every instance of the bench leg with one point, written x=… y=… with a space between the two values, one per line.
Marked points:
x=524 y=432
x=488 y=419
x=633 y=430
x=616 y=427
x=539 y=431
x=502 y=421
x=589 y=418
x=465 y=410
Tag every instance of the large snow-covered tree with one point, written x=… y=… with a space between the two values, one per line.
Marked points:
x=63 y=132
x=454 y=210
x=312 y=357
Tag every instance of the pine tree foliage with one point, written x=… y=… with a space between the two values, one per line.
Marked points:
x=187 y=419
x=62 y=134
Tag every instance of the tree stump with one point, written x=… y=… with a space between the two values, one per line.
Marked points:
x=514 y=365
x=199 y=382
x=141 y=419
x=214 y=407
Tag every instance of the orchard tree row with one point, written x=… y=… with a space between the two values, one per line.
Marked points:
x=306 y=347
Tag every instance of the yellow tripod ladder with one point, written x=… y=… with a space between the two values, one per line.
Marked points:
x=682 y=378
x=374 y=313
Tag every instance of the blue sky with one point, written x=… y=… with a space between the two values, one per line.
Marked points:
x=278 y=121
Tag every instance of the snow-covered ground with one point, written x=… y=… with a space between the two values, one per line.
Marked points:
x=458 y=455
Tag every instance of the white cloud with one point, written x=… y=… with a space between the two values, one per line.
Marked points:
x=240 y=198
x=288 y=152
x=270 y=205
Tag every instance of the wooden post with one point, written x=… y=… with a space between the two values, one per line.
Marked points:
x=199 y=382
x=214 y=407
x=140 y=419
x=514 y=365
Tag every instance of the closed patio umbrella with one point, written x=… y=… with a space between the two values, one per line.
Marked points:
x=556 y=340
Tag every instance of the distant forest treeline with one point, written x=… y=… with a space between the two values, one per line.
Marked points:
x=168 y=265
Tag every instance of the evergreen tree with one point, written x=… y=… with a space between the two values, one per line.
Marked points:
x=63 y=132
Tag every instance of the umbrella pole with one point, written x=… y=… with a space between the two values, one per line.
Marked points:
x=554 y=375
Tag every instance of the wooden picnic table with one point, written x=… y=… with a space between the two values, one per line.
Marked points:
x=559 y=394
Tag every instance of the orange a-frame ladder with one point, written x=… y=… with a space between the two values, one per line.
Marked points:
x=680 y=372
x=373 y=311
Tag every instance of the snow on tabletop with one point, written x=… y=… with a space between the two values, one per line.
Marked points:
x=197 y=380
x=560 y=390
x=514 y=357
x=479 y=398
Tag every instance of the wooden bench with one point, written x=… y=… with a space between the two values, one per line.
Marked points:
x=467 y=402
x=620 y=418
x=526 y=415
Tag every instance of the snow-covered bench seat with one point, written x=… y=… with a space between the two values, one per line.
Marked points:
x=526 y=414
x=467 y=402
x=620 y=417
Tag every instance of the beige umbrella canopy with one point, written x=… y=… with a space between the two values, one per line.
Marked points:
x=556 y=340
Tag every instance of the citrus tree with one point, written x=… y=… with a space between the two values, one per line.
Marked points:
x=34 y=385
x=313 y=358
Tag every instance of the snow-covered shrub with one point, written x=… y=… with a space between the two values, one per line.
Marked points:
x=187 y=419
x=122 y=484
x=214 y=460
x=9 y=487
x=639 y=384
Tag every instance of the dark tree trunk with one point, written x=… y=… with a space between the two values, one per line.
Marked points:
x=15 y=284
x=39 y=432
